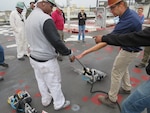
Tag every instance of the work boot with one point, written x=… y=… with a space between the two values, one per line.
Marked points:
x=4 y=65
x=122 y=91
x=66 y=104
x=105 y=100
x=141 y=65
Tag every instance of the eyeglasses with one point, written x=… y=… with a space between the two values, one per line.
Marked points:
x=114 y=6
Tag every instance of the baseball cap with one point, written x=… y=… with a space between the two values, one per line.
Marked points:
x=60 y=6
x=20 y=5
x=51 y=1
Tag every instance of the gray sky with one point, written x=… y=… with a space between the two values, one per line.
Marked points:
x=10 y=4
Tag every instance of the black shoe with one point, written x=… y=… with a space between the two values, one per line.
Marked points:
x=4 y=65
x=25 y=55
x=122 y=91
x=140 y=65
x=1 y=78
x=21 y=59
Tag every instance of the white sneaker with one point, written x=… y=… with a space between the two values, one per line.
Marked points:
x=66 y=104
x=46 y=103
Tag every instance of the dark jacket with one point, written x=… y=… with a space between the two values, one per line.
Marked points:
x=82 y=18
x=133 y=39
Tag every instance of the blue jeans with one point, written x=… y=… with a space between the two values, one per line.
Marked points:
x=1 y=55
x=137 y=101
x=81 y=31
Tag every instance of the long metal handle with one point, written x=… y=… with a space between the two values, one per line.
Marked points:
x=81 y=63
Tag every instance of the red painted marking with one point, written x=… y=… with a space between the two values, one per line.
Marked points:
x=74 y=30
x=134 y=81
x=108 y=48
x=37 y=95
x=96 y=52
x=2 y=73
x=26 y=87
x=18 y=90
x=13 y=111
x=68 y=108
x=119 y=98
x=145 y=77
x=68 y=45
x=87 y=44
x=137 y=70
x=85 y=99
x=98 y=29
x=94 y=99
x=99 y=58
x=21 y=81
x=74 y=49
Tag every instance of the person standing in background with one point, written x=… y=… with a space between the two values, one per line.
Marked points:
x=81 y=22
x=140 y=13
x=146 y=54
x=58 y=18
x=29 y=10
x=64 y=16
x=17 y=24
x=145 y=58
x=2 y=58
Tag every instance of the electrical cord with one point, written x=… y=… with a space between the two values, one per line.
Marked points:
x=85 y=69
x=100 y=91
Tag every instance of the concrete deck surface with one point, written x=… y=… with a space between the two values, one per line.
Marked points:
x=20 y=75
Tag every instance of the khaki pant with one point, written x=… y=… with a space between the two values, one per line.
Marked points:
x=120 y=74
x=146 y=55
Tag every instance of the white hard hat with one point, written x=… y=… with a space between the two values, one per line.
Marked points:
x=51 y=1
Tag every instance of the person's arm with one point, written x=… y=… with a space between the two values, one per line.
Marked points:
x=12 y=21
x=53 y=37
x=92 y=49
x=134 y=39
